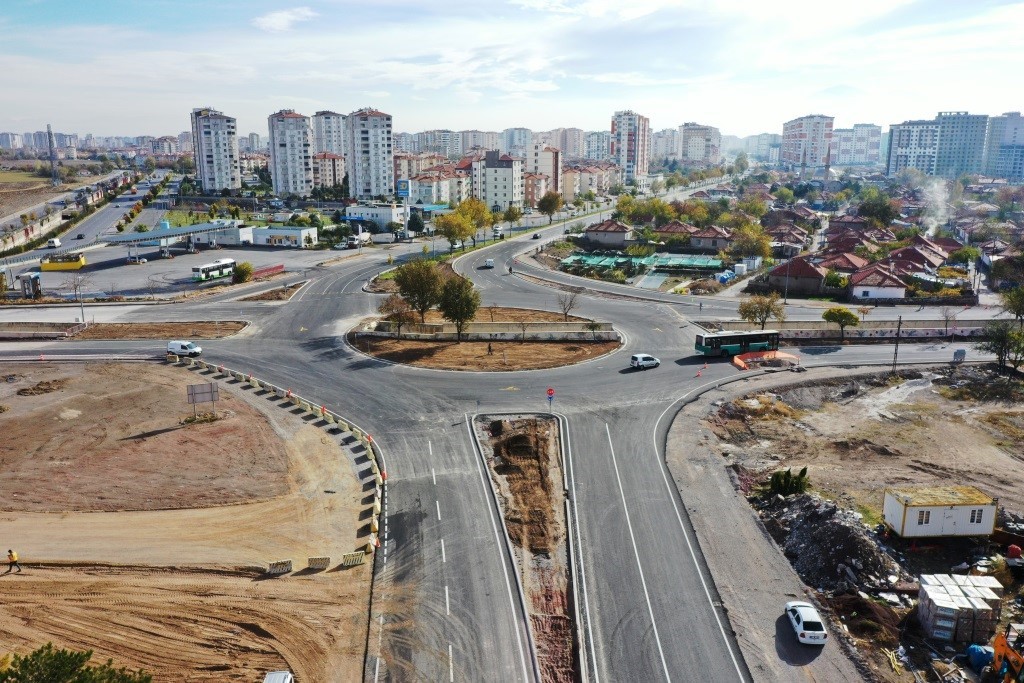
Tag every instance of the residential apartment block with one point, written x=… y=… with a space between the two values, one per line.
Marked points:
x=498 y=180
x=858 y=145
x=329 y=132
x=542 y=158
x=442 y=141
x=291 y=142
x=409 y=164
x=370 y=160
x=535 y=186
x=516 y=141
x=913 y=144
x=700 y=145
x=215 y=144
x=328 y=169
x=806 y=142
x=10 y=141
x=665 y=144
x=597 y=145
x=1005 y=153
x=763 y=144
x=961 y=143
x=477 y=139
x=630 y=146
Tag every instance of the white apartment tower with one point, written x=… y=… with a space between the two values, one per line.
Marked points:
x=498 y=180
x=858 y=145
x=291 y=141
x=700 y=145
x=913 y=144
x=516 y=140
x=547 y=160
x=215 y=144
x=329 y=132
x=597 y=145
x=369 y=156
x=806 y=142
x=630 y=146
x=665 y=144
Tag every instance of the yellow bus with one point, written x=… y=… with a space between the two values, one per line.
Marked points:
x=72 y=261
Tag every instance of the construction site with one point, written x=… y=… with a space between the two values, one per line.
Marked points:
x=146 y=535
x=860 y=481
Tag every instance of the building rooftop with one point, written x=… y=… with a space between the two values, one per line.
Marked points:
x=941 y=495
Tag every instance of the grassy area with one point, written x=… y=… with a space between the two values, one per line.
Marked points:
x=872 y=516
x=25 y=177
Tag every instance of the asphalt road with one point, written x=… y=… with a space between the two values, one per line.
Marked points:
x=446 y=594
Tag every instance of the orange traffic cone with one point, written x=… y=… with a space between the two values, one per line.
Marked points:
x=40 y=357
x=698 y=374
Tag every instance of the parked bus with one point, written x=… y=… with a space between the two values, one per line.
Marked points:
x=224 y=267
x=72 y=261
x=732 y=343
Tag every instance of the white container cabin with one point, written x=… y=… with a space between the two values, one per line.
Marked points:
x=939 y=511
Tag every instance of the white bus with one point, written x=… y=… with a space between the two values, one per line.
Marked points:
x=224 y=267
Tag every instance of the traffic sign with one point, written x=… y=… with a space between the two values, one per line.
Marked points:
x=551 y=392
x=402 y=188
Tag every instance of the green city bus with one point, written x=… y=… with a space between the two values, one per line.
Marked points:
x=224 y=267
x=733 y=343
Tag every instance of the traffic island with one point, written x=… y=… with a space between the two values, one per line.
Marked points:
x=522 y=455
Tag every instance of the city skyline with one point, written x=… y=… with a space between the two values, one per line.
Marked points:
x=745 y=68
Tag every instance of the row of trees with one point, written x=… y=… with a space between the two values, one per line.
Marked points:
x=422 y=285
x=469 y=217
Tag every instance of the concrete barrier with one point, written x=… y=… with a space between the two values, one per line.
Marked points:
x=281 y=567
x=373 y=467
x=379 y=479
x=280 y=393
x=329 y=418
x=171 y=358
x=305 y=406
x=376 y=505
x=319 y=562
x=353 y=559
x=374 y=524
x=295 y=399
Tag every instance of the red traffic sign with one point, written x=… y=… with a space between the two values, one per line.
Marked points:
x=551 y=392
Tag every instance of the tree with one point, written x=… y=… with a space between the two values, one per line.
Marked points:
x=864 y=310
x=243 y=272
x=454 y=227
x=567 y=302
x=50 y=665
x=477 y=213
x=998 y=340
x=965 y=255
x=876 y=205
x=948 y=314
x=757 y=309
x=420 y=282
x=459 y=303
x=741 y=164
x=835 y=279
x=1015 y=352
x=784 y=195
x=549 y=204
x=657 y=186
x=512 y=215
x=1013 y=303
x=397 y=310
x=841 y=316
x=751 y=240
x=415 y=222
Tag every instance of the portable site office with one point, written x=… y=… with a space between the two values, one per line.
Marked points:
x=939 y=511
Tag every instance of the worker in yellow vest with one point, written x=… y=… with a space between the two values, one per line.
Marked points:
x=12 y=561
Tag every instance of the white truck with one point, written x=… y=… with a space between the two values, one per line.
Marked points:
x=355 y=240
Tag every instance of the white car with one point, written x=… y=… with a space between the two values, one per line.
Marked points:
x=806 y=622
x=184 y=348
x=643 y=361
x=136 y=260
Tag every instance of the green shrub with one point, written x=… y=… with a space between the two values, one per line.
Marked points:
x=784 y=483
x=243 y=272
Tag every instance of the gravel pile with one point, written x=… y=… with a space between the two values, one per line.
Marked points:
x=829 y=547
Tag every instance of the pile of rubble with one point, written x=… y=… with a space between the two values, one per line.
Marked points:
x=830 y=548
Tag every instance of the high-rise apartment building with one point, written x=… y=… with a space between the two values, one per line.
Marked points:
x=215 y=146
x=369 y=160
x=255 y=142
x=546 y=160
x=961 y=143
x=184 y=141
x=329 y=132
x=516 y=141
x=439 y=141
x=10 y=141
x=1005 y=133
x=328 y=169
x=498 y=180
x=913 y=144
x=630 y=145
x=597 y=145
x=290 y=143
x=479 y=139
x=700 y=145
x=806 y=142
x=858 y=145
x=165 y=144
x=665 y=144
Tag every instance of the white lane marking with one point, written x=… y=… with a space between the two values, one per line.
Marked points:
x=447 y=604
x=497 y=538
x=686 y=536
x=433 y=476
x=636 y=554
x=451 y=665
x=444 y=558
x=438 y=504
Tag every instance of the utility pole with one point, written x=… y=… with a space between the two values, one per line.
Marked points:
x=785 y=296
x=896 y=349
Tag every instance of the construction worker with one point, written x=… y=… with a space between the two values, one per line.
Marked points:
x=12 y=561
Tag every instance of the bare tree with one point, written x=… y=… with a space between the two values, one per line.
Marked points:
x=567 y=302
x=864 y=310
x=524 y=324
x=76 y=284
x=948 y=314
x=491 y=309
x=398 y=311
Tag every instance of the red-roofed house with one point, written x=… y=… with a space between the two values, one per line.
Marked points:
x=797 y=276
x=610 y=233
x=713 y=238
x=877 y=281
x=844 y=262
x=675 y=230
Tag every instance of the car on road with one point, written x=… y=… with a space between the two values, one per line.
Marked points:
x=536 y=236
x=80 y=236
x=184 y=348
x=643 y=361
x=53 y=243
x=489 y=263
x=136 y=260
x=806 y=623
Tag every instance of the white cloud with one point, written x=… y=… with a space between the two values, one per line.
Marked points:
x=277 y=22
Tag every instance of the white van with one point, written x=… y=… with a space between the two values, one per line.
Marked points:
x=279 y=677
x=53 y=243
x=184 y=348
x=489 y=263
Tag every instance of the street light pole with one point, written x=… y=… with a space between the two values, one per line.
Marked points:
x=785 y=296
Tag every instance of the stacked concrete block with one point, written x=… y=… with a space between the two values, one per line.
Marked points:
x=958 y=608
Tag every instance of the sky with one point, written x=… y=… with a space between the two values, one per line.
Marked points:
x=118 y=67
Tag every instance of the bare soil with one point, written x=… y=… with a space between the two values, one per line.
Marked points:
x=526 y=470
x=472 y=355
x=280 y=294
x=144 y=539
x=169 y=330
x=504 y=314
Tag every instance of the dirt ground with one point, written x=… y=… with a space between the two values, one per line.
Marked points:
x=170 y=330
x=524 y=464
x=472 y=355
x=143 y=539
x=280 y=294
x=856 y=438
